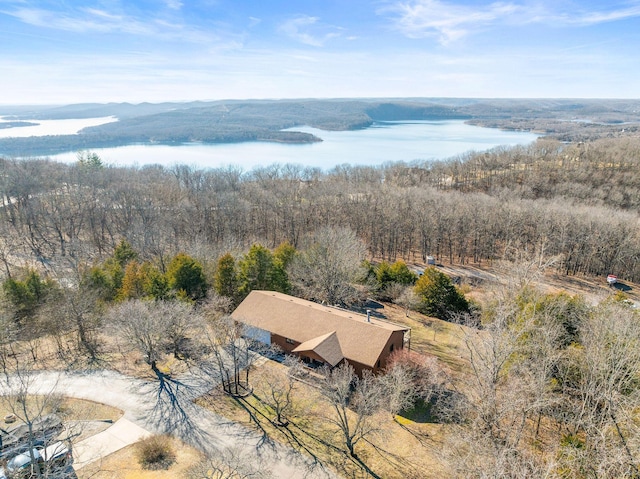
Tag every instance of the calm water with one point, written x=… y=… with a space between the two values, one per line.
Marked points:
x=381 y=143
x=51 y=127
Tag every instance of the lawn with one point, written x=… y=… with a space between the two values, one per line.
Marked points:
x=123 y=464
x=68 y=409
x=432 y=336
x=403 y=448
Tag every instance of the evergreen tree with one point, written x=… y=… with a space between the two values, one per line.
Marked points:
x=124 y=253
x=27 y=295
x=400 y=273
x=438 y=296
x=225 y=280
x=186 y=276
x=256 y=270
x=132 y=282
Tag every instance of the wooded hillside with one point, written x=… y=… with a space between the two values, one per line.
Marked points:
x=578 y=202
x=240 y=121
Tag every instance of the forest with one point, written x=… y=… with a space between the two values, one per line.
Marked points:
x=574 y=201
x=100 y=261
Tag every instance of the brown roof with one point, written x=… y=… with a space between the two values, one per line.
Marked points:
x=326 y=346
x=300 y=320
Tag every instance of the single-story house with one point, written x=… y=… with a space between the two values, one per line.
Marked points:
x=320 y=335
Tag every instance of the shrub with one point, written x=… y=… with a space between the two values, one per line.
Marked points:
x=155 y=452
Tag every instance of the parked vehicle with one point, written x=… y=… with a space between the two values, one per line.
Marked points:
x=52 y=461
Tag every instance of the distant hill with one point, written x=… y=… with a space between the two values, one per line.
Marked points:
x=263 y=120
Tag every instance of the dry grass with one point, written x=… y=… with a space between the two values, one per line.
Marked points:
x=69 y=409
x=82 y=418
x=124 y=465
x=43 y=354
x=432 y=336
x=402 y=449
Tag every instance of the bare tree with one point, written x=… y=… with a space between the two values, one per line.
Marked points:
x=33 y=408
x=408 y=299
x=153 y=327
x=353 y=402
x=234 y=353
x=326 y=269
x=279 y=387
x=229 y=464
x=605 y=393
x=408 y=377
x=491 y=411
x=73 y=310
x=400 y=390
x=8 y=335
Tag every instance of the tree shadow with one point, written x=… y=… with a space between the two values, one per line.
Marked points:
x=422 y=437
x=172 y=409
x=254 y=415
x=299 y=451
x=342 y=453
x=365 y=467
x=422 y=412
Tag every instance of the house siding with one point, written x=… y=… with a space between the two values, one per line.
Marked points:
x=397 y=341
x=281 y=342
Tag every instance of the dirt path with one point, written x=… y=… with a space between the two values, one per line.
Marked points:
x=593 y=289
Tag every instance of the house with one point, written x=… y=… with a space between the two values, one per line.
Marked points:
x=320 y=335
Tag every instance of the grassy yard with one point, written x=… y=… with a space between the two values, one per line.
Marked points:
x=123 y=464
x=404 y=448
x=432 y=336
x=68 y=409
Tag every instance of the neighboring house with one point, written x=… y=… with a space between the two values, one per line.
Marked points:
x=320 y=335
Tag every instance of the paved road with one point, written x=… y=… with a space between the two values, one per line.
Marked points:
x=167 y=407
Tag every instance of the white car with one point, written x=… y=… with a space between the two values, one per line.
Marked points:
x=53 y=458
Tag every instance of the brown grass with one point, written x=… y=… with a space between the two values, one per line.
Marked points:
x=402 y=449
x=124 y=465
x=432 y=336
x=71 y=409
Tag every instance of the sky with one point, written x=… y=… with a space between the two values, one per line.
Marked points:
x=68 y=51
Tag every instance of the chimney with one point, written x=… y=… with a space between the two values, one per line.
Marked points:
x=368 y=315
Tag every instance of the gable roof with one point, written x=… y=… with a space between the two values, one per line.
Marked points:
x=326 y=346
x=304 y=321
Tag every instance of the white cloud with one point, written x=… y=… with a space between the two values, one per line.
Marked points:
x=101 y=21
x=174 y=4
x=84 y=20
x=308 y=30
x=446 y=21
x=596 y=17
x=449 y=21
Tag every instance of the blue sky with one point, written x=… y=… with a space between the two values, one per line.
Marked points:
x=67 y=51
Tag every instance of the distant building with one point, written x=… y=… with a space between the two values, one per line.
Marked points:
x=320 y=335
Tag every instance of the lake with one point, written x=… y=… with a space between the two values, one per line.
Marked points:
x=51 y=127
x=378 y=144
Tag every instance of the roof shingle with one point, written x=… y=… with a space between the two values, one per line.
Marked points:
x=302 y=321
